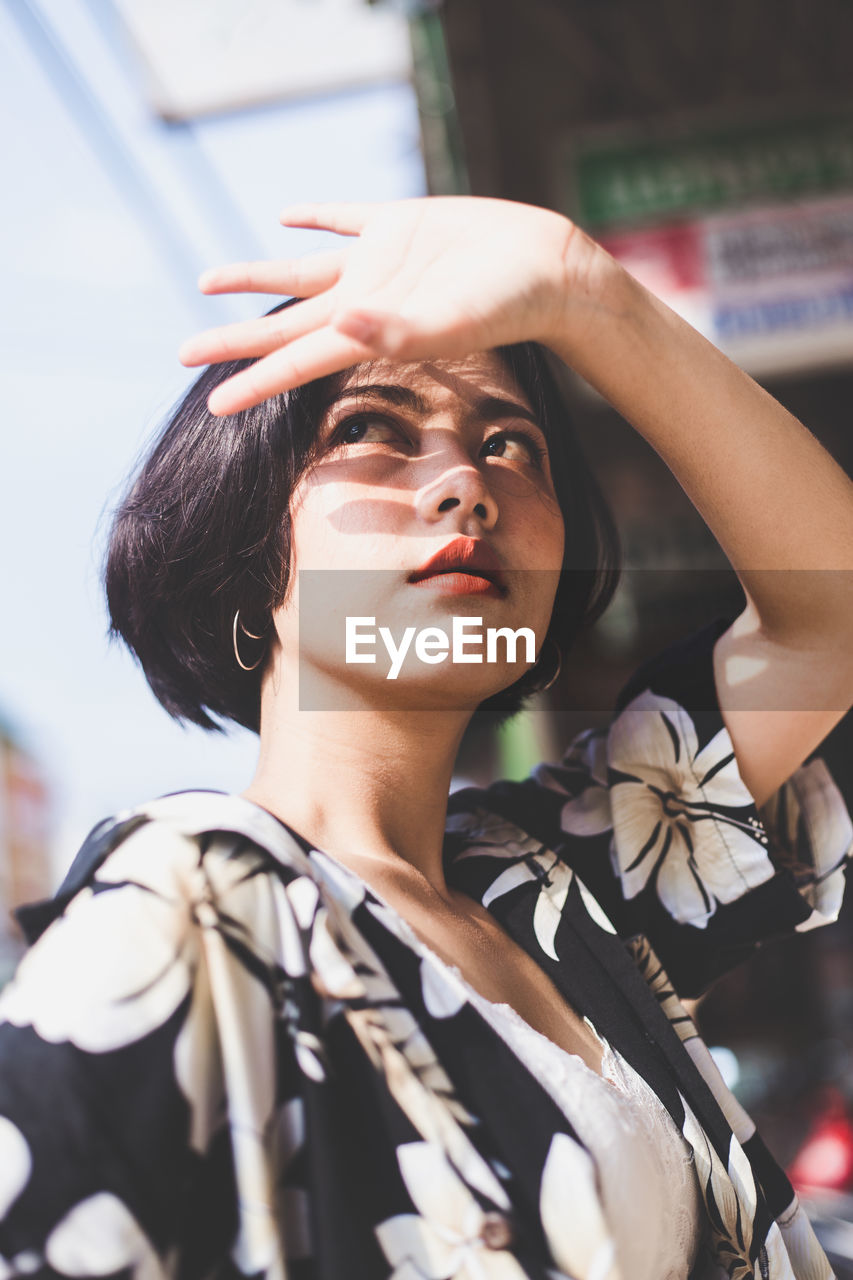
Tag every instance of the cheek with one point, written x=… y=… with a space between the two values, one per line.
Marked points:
x=322 y=516
x=347 y=524
x=559 y=536
x=313 y=542
x=549 y=540
x=540 y=535
x=554 y=528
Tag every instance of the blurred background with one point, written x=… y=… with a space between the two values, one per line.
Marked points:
x=709 y=146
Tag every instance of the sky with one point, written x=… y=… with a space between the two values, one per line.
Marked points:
x=107 y=219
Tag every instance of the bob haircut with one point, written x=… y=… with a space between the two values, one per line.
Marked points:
x=205 y=530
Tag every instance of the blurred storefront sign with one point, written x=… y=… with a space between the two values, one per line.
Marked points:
x=748 y=234
x=620 y=180
x=772 y=287
x=201 y=57
x=25 y=872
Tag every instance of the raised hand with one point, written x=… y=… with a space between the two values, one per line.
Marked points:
x=430 y=278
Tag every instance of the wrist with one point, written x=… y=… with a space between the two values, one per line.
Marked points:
x=590 y=287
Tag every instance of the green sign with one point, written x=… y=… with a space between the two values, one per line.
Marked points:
x=626 y=182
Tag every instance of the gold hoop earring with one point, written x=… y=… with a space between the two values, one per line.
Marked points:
x=542 y=687
x=251 y=636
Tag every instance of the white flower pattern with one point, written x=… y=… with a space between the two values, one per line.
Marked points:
x=100 y=1237
x=730 y=1194
x=531 y=861
x=815 y=833
x=671 y=812
x=63 y=990
x=581 y=1242
x=449 y=1238
x=582 y=774
x=15 y=1163
x=257 y=985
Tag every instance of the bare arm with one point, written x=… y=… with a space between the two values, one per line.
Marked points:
x=780 y=507
x=441 y=277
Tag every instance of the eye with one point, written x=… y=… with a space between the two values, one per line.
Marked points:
x=364 y=428
x=515 y=446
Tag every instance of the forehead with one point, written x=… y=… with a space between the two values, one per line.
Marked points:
x=467 y=378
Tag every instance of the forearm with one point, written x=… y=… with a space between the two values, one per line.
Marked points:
x=772 y=496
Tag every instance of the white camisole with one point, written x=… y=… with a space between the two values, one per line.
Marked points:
x=647 y=1178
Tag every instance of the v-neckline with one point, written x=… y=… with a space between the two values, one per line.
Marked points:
x=412 y=939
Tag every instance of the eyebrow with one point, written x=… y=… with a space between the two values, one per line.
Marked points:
x=405 y=398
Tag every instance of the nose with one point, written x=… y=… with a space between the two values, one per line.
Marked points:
x=458 y=486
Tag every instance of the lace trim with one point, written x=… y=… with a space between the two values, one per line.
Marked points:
x=646 y=1172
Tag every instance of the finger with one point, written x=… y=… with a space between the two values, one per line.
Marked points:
x=299 y=277
x=251 y=339
x=348 y=219
x=314 y=356
x=385 y=332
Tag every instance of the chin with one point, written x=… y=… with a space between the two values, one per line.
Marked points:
x=463 y=691
x=459 y=689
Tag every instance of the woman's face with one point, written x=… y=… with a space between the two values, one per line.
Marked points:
x=417 y=459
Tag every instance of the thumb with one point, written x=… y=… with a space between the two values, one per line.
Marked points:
x=382 y=331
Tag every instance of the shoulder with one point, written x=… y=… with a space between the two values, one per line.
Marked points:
x=169 y=846
x=155 y=895
x=165 y=992
x=546 y=810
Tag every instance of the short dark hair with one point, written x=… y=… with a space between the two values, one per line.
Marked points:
x=205 y=530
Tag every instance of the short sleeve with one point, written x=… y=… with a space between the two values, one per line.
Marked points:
x=656 y=816
x=129 y=1131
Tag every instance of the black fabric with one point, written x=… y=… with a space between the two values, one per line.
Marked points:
x=218 y=1054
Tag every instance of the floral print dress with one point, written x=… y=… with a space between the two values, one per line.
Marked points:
x=222 y=1056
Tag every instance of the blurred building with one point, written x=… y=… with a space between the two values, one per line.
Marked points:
x=711 y=149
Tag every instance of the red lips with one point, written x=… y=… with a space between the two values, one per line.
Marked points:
x=463 y=555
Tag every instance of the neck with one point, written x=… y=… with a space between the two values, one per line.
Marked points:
x=367 y=786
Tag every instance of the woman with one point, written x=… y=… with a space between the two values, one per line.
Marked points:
x=337 y=1026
